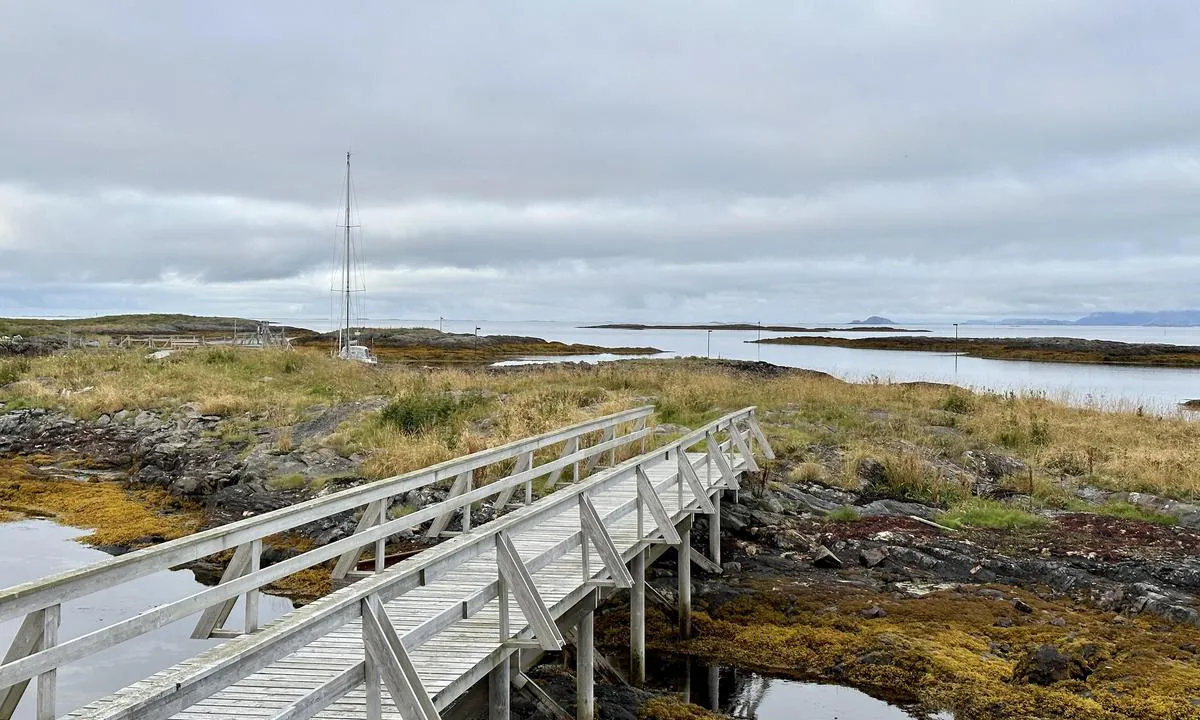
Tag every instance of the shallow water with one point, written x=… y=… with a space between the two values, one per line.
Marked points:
x=1107 y=386
x=30 y=549
x=744 y=694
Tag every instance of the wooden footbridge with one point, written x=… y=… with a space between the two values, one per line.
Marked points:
x=421 y=638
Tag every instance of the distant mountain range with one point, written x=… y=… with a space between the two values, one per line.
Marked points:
x=1161 y=318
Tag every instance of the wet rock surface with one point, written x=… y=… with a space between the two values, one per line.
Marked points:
x=230 y=465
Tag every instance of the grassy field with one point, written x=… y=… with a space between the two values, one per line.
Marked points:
x=910 y=429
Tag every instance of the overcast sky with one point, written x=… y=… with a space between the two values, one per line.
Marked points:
x=602 y=160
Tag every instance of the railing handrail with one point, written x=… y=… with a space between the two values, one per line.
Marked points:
x=334 y=611
x=71 y=584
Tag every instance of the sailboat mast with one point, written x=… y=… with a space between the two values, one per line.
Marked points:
x=346 y=267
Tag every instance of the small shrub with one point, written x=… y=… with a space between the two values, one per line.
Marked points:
x=980 y=513
x=291 y=364
x=13 y=370
x=220 y=356
x=844 y=514
x=415 y=413
x=808 y=472
x=957 y=402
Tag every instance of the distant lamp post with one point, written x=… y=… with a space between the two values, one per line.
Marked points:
x=708 y=351
x=476 y=337
x=956 y=332
x=440 y=320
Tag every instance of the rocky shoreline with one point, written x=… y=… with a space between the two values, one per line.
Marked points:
x=822 y=548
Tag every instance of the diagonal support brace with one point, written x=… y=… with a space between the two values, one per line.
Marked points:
x=396 y=668
x=649 y=496
x=743 y=447
x=688 y=473
x=715 y=454
x=593 y=529
x=516 y=575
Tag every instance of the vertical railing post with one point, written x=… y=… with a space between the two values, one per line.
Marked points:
x=499 y=679
x=469 y=483
x=47 y=682
x=252 y=596
x=381 y=543
x=529 y=483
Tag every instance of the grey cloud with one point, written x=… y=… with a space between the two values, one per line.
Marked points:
x=677 y=159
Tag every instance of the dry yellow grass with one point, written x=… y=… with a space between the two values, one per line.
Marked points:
x=1119 y=448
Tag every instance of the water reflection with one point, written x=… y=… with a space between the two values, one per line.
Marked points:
x=743 y=694
x=36 y=548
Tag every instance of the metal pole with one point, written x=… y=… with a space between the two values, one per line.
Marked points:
x=346 y=271
x=708 y=351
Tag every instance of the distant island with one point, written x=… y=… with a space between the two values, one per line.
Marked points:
x=36 y=336
x=873 y=320
x=1159 y=318
x=753 y=326
x=1036 y=349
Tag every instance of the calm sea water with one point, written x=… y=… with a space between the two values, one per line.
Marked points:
x=49 y=548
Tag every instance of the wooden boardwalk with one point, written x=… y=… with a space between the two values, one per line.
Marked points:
x=409 y=640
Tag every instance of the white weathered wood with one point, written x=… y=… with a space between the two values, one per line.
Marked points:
x=525 y=592
x=736 y=436
x=756 y=430
x=688 y=473
x=26 y=641
x=255 y=564
x=547 y=530
x=648 y=497
x=213 y=618
x=728 y=477
x=569 y=448
x=326 y=694
x=462 y=483
x=47 y=682
x=637 y=621
x=593 y=529
x=374 y=613
x=34 y=595
x=371 y=517
x=524 y=462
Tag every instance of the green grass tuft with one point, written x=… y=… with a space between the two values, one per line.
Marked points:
x=844 y=514
x=980 y=513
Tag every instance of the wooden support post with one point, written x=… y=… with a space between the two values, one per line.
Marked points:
x=499 y=693
x=462 y=484
x=373 y=689
x=212 y=620
x=714 y=530
x=47 y=682
x=585 y=699
x=524 y=462
x=251 y=624
x=637 y=621
x=685 y=580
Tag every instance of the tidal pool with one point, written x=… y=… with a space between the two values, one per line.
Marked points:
x=30 y=549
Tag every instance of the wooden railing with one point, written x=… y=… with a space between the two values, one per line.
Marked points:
x=387 y=659
x=37 y=651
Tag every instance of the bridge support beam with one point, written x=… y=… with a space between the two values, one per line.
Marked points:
x=685 y=580
x=714 y=530
x=499 y=682
x=637 y=621
x=585 y=698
